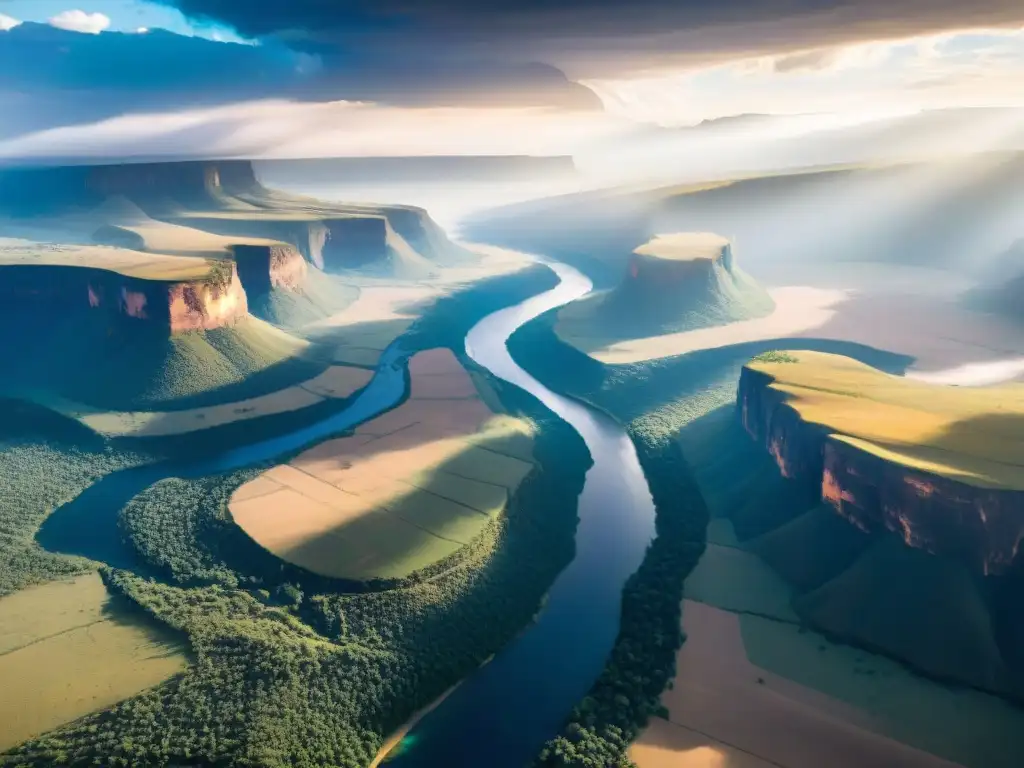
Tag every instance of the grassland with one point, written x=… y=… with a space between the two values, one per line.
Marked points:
x=303 y=673
x=406 y=490
x=68 y=648
x=123 y=261
x=140 y=370
x=974 y=435
x=336 y=382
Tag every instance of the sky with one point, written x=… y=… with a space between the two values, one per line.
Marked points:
x=307 y=77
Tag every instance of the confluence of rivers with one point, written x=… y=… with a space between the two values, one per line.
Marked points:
x=502 y=714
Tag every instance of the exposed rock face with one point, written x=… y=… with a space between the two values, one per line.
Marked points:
x=172 y=307
x=354 y=241
x=262 y=268
x=797 y=447
x=981 y=527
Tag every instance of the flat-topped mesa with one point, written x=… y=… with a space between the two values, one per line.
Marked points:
x=171 y=295
x=682 y=281
x=938 y=466
x=54 y=190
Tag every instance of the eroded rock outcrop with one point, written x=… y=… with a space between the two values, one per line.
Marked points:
x=214 y=301
x=263 y=268
x=982 y=527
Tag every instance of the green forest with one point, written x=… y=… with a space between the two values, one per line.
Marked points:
x=289 y=668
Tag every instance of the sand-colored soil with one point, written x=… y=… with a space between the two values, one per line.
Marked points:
x=145 y=266
x=175 y=239
x=797 y=309
x=685 y=246
x=385 y=308
x=971 y=434
x=818 y=703
x=406 y=490
x=934 y=329
x=67 y=649
x=718 y=699
x=338 y=381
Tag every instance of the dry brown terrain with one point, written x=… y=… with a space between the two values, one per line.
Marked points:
x=724 y=711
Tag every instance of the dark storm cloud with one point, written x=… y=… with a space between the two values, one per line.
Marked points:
x=594 y=36
x=51 y=77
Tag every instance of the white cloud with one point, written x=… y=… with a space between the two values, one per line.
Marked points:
x=80 y=21
x=142 y=30
x=975 y=67
x=7 y=23
x=289 y=129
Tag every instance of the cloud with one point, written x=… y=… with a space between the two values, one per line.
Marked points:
x=596 y=38
x=7 y=23
x=276 y=128
x=63 y=77
x=80 y=21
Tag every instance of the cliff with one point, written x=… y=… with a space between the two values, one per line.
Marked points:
x=263 y=268
x=944 y=495
x=53 y=190
x=39 y=292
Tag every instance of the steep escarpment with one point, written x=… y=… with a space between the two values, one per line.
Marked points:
x=263 y=268
x=206 y=302
x=53 y=190
x=913 y=550
x=953 y=493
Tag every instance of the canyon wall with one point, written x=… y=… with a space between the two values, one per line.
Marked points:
x=263 y=268
x=171 y=307
x=51 y=190
x=354 y=241
x=982 y=527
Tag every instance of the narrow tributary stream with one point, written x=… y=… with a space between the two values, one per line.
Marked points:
x=500 y=716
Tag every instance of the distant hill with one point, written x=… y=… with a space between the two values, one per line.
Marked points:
x=436 y=168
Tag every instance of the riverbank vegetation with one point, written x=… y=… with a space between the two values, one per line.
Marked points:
x=289 y=677
x=642 y=662
x=295 y=669
x=45 y=461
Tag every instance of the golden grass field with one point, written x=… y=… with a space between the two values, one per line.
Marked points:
x=337 y=382
x=971 y=434
x=68 y=649
x=405 y=490
x=145 y=266
x=684 y=246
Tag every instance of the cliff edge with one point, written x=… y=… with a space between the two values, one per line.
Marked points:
x=942 y=467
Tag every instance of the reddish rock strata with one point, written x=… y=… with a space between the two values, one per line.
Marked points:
x=175 y=307
x=983 y=527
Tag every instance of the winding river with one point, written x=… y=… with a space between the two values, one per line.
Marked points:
x=502 y=714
